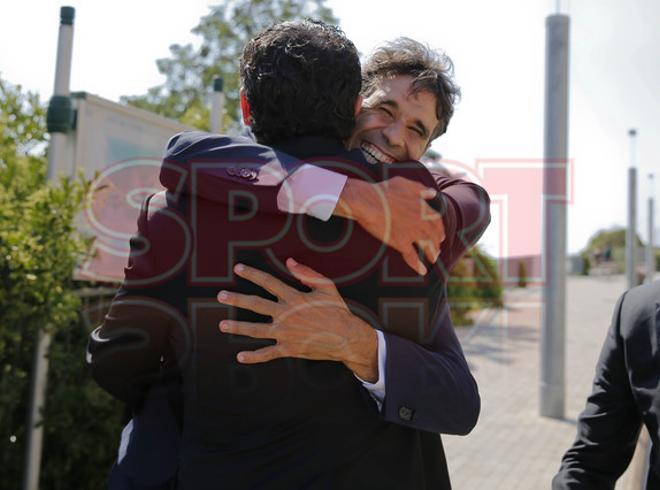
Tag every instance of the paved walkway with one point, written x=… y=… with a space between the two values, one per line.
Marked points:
x=512 y=447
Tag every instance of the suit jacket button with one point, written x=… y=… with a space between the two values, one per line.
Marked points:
x=406 y=413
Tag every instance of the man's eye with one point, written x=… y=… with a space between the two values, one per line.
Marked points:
x=417 y=131
x=386 y=111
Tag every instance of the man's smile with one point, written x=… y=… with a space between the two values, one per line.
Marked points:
x=374 y=154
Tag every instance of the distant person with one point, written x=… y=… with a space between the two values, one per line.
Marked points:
x=625 y=395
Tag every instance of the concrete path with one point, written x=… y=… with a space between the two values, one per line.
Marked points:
x=512 y=447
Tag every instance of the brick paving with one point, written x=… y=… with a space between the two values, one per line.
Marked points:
x=513 y=447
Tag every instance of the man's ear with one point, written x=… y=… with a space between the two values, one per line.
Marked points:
x=358 y=104
x=245 y=108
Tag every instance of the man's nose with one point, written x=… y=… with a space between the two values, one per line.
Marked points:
x=394 y=134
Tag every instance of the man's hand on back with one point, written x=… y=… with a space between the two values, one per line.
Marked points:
x=396 y=213
x=316 y=325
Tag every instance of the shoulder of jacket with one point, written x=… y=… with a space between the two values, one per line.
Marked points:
x=640 y=304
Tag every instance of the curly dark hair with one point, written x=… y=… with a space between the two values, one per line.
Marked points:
x=301 y=78
x=431 y=70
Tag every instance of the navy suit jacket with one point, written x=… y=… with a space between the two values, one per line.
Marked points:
x=625 y=395
x=429 y=386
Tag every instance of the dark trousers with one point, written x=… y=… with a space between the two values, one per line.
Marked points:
x=118 y=481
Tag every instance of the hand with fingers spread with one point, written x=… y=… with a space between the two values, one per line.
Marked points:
x=316 y=325
x=395 y=212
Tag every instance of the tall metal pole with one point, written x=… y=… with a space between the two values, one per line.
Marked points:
x=39 y=380
x=631 y=230
x=218 y=105
x=552 y=391
x=650 y=243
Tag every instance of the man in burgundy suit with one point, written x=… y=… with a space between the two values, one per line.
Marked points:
x=292 y=422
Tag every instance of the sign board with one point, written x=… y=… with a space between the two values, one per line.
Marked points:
x=120 y=148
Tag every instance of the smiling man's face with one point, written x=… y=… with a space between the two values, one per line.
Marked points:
x=394 y=124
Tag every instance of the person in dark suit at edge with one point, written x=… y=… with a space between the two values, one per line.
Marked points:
x=625 y=395
x=448 y=399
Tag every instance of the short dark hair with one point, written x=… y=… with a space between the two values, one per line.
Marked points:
x=301 y=78
x=431 y=71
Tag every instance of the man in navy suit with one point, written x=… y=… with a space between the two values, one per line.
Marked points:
x=429 y=387
x=625 y=395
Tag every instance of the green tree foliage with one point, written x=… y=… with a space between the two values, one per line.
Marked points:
x=613 y=240
x=39 y=248
x=22 y=138
x=224 y=32
x=613 y=237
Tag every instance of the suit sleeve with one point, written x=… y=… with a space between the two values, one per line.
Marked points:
x=131 y=351
x=609 y=426
x=201 y=164
x=430 y=387
x=466 y=215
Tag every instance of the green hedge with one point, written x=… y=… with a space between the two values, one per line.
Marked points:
x=39 y=248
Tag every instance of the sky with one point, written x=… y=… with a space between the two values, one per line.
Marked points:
x=498 y=53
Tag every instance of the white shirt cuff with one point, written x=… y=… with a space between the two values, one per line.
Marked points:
x=311 y=190
x=377 y=389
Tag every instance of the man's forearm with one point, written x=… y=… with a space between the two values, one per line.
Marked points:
x=355 y=196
